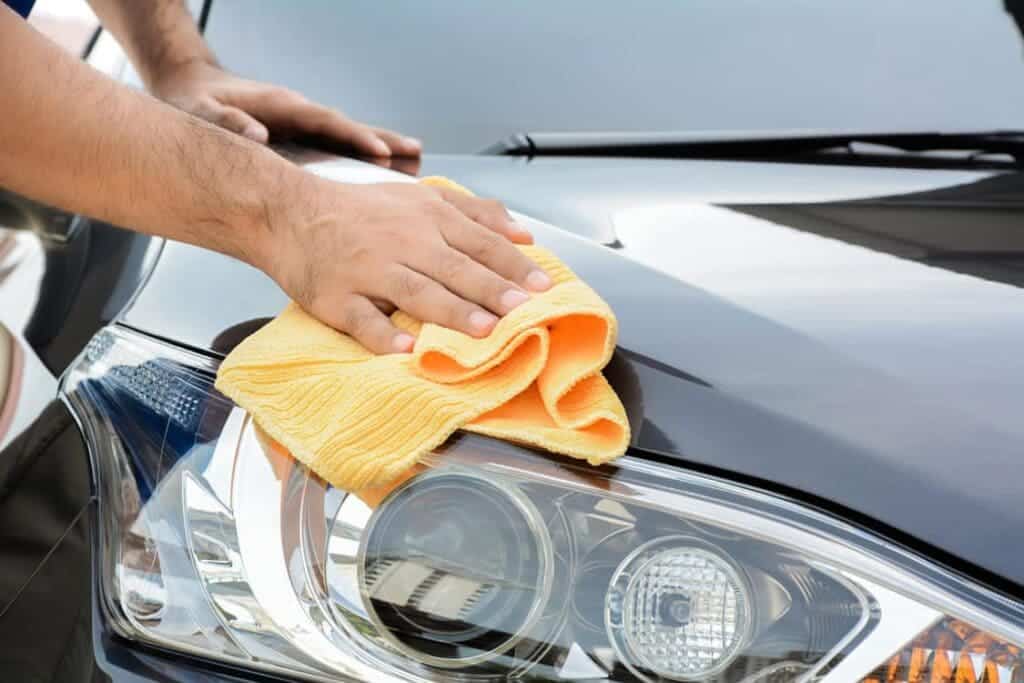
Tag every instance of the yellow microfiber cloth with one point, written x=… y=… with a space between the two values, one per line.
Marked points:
x=359 y=419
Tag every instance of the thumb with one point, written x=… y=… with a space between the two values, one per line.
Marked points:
x=237 y=121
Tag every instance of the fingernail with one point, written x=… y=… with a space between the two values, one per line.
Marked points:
x=482 y=322
x=517 y=226
x=256 y=133
x=521 y=234
x=403 y=343
x=538 y=281
x=513 y=298
x=381 y=148
x=414 y=143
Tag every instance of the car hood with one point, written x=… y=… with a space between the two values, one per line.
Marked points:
x=839 y=334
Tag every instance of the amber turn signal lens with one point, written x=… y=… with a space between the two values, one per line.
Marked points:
x=953 y=651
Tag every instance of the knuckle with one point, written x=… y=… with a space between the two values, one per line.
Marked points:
x=453 y=266
x=456 y=313
x=485 y=286
x=434 y=207
x=355 y=321
x=396 y=241
x=361 y=255
x=495 y=208
x=496 y=288
x=287 y=96
x=450 y=196
x=357 y=128
x=405 y=242
x=487 y=247
x=206 y=108
x=230 y=119
x=407 y=286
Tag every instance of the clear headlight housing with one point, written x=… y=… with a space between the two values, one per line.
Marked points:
x=489 y=562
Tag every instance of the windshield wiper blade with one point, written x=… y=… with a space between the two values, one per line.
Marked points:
x=999 y=147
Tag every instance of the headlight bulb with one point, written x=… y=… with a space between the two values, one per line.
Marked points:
x=678 y=609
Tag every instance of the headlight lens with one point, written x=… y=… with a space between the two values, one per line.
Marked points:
x=679 y=609
x=488 y=562
x=453 y=571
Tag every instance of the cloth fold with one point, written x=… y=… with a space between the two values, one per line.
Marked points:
x=359 y=419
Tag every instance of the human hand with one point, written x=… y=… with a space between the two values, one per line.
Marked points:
x=346 y=253
x=257 y=110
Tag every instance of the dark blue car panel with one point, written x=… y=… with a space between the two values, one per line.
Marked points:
x=893 y=392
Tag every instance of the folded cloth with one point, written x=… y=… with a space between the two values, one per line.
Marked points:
x=359 y=419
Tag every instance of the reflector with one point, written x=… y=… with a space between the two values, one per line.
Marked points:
x=953 y=650
x=679 y=608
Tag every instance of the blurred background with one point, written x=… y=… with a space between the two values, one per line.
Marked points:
x=69 y=23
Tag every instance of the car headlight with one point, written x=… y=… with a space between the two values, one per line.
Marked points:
x=489 y=561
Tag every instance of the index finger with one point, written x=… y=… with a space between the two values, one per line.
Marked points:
x=487 y=212
x=490 y=249
x=305 y=116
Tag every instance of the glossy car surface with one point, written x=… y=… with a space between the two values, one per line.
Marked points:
x=847 y=334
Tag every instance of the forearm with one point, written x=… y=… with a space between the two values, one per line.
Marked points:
x=73 y=138
x=158 y=35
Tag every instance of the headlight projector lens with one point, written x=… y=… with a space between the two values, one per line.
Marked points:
x=679 y=609
x=455 y=568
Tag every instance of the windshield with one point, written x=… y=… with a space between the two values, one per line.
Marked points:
x=464 y=75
